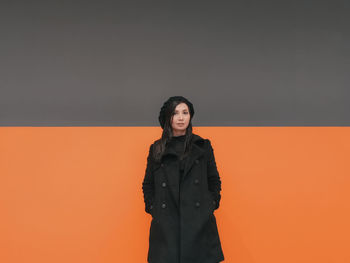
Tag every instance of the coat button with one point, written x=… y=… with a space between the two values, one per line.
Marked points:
x=163 y=205
x=214 y=202
x=197 y=161
x=196 y=181
x=162 y=164
x=164 y=184
x=197 y=204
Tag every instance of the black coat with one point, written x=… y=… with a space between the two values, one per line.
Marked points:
x=183 y=227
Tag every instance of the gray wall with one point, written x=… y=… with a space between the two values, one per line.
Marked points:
x=113 y=63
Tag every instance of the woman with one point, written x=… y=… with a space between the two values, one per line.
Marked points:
x=181 y=190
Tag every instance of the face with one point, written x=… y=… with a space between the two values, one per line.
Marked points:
x=180 y=119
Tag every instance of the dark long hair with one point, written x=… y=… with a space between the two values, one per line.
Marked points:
x=161 y=144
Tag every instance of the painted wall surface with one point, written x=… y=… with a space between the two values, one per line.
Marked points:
x=74 y=194
x=113 y=63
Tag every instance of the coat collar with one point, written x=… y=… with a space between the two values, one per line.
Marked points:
x=196 y=147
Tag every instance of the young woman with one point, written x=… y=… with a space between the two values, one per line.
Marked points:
x=181 y=190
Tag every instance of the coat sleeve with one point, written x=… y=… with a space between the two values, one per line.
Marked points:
x=214 y=181
x=148 y=184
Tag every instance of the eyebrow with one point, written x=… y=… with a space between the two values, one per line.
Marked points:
x=183 y=110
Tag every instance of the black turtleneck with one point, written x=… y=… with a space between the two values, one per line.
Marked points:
x=178 y=144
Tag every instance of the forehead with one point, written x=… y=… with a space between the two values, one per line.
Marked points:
x=181 y=106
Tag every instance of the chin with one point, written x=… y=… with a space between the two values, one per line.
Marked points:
x=181 y=129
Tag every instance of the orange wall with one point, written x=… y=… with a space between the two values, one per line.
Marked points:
x=74 y=194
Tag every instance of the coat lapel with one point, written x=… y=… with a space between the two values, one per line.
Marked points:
x=195 y=153
x=172 y=170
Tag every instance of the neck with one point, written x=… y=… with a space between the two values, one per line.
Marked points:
x=175 y=134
